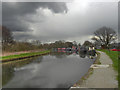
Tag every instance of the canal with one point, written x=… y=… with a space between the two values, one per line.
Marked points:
x=55 y=70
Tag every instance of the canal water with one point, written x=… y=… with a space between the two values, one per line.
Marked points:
x=55 y=70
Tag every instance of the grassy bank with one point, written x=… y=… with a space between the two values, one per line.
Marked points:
x=22 y=56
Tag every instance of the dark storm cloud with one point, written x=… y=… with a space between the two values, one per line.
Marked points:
x=14 y=11
x=50 y=21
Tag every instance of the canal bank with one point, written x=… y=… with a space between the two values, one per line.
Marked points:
x=23 y=56
x=101 y=76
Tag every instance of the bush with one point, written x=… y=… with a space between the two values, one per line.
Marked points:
x=19 y=46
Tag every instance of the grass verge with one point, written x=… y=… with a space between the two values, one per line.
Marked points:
x=22 y=56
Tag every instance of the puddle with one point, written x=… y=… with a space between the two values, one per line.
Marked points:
x=99 y=66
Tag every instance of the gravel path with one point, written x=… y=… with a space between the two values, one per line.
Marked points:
x=102 y=77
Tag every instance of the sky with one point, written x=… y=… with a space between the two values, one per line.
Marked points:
x=52 y=21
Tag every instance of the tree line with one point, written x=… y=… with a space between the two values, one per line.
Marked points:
x=11 y=45
x=103 y=37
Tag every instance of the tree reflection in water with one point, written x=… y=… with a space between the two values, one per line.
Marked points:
x=67 y=53
x=8 y=68
x=60 y=54
x=84 y=54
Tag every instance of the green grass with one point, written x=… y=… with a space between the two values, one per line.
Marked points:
x=22 y=55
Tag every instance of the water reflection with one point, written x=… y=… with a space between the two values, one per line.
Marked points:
x=58 y=69
x=9 y=68
x=59 y=54
x=84 y=55
x=62 y=54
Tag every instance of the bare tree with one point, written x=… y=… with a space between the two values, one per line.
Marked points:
x=36 y=42
x=87 y=43
x=74 y=43
x=6 y=35
x=105 y=36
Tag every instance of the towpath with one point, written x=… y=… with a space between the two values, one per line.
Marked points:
x=104 y=76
